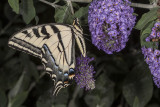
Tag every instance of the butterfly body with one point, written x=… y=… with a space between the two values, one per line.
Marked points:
x=54 y=44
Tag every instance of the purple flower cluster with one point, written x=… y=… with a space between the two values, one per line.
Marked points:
x=84 y=73
x=155 y=34
x=152 y=56
x=110 y=24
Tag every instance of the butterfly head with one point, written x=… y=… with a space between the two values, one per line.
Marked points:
x=76 y=25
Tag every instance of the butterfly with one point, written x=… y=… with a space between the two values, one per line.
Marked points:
x=54 y=44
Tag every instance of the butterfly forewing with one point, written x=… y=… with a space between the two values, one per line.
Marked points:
x=30 y=40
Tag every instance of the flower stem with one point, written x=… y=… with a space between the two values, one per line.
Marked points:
x=82 y=1
x=146 y=6
x=49 y=3
x=71 y=7
x=55 y=5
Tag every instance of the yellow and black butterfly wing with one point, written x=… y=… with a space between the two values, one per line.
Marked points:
x=31 y=40
x=55 y=45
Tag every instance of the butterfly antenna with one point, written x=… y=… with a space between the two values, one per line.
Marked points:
x=85 y=37
x=86 y=34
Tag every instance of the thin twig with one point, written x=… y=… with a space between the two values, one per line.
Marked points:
x=49 y=3
x=82 y=1
x=146 y=6
x=8 y=25
x=71 y=7
x=75 y=94
x=55 y=5
x=34 y=83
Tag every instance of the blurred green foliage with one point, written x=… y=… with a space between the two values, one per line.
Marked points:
x=122 y=79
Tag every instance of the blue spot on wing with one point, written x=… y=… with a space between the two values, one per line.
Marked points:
x=66 y=74
x=48 y=51
x=71 y=71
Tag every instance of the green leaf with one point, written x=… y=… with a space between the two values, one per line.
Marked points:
x=153 y=105
x=17 y=87
x=152 y=1
x=138 y=83
x=148 y=44
x=146 y=18
x=75 y=5
x=27 y=10
x=63 y=15
x=32 y=70
x=60 y=105
x=145 y=33
x=18 y=99
x=103 y=94
x=45 y=100
x=136 y=102
x=9 y=54
x=3 y=99
x=15 y=5
x=81 y=12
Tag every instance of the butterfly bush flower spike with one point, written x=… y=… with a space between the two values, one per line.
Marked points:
x=84 y=73
x=110 y=23
x=152 y=56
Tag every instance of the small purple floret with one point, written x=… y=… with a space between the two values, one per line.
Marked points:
x=157 y=81
x=84 y=73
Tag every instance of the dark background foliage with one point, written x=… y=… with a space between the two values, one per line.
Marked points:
x=122 y=79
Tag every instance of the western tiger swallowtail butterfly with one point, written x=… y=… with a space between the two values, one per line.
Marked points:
x=54 y=44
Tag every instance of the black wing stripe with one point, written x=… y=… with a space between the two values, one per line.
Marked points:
x=55 y=29
x=73 y=43
x=35 y=31
x=44 y=31
x=57 y=87
x=20 y=49
x=25 y=32
x=59 y=48
x=28 y=34
x=25 y=42
x=81 y=42
x=60 y=41
x=26 y=45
